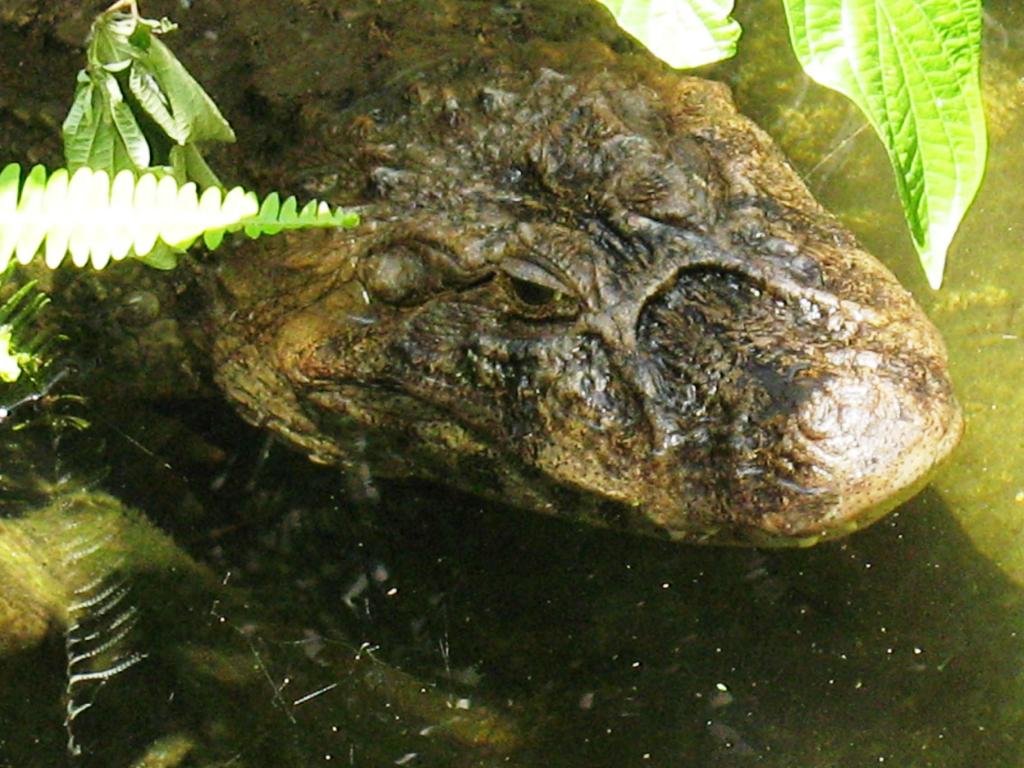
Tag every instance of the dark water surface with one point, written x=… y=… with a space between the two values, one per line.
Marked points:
x=371 y=624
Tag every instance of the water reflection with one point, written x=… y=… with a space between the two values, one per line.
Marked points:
x=546 y=639
x=898 y=641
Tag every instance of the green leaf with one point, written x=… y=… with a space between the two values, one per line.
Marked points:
x=104 y=146
x=190 y=161
x=682 y=33
x=81 y=113
x=289 y=212
x=18 y=300
x=135 y=145
x=108 y=46
x=162 y=257
x=90 y=137
x=151 y=98
x=140 y=37
x=80 y=126
x=912 y=66
x=194 y=111
x=101 y=131
x=12 y=361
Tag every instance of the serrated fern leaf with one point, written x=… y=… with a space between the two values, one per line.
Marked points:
x=23 y=348
x=94 y=220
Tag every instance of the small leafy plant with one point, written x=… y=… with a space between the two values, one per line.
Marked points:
x=27 y=371
x=136 y=183
x=22 y=347
x=911 y=66
x=136 y=107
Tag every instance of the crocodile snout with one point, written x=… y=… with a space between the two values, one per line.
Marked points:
x=806 y=415
x=866 y=442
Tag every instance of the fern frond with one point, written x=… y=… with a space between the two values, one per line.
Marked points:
x=94 y=220
x=22 y=346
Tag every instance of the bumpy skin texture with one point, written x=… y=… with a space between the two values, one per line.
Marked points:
x=603 y=295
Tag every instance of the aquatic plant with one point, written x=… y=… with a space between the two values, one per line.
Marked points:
x=31 y=373
x=12 y=360
x=23 y=347
x=136 y=107
x=95 y=220
x=911 y=66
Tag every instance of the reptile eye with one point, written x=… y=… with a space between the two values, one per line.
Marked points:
x=533 y=294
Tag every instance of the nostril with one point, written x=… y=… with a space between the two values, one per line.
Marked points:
x=817 y=418
x=843 y=412
x=839 y=414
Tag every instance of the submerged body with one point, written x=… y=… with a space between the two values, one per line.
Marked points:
x=592 y=290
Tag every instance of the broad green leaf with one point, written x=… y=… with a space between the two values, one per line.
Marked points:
x=121 y=160
x=81 y=112
x=90 y=130
x=108 y=45
x=80 y=126
x=195 y=112
x=682 y=33
x=162 y=257
x=89 y=133
x=188 y=161
x=135 y=145
x=151 y=98
x=103 y=149
x=912 y=66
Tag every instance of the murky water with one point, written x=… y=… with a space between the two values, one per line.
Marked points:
x=311 y=624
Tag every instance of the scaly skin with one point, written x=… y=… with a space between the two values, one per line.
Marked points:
x=583 y=286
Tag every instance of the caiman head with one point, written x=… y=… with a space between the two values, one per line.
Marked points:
x=605 y=300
